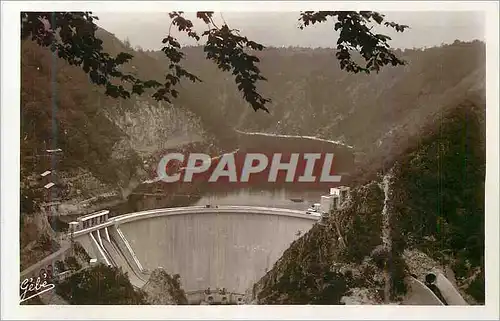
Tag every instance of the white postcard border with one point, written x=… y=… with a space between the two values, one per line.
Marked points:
x=10 y=173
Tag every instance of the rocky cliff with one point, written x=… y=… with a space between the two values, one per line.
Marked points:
x=110 y=146
x=425 y=211
x=163 y=289
x=106 y=143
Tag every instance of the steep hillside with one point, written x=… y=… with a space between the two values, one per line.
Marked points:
x=429 y=207
x=105 y=142
x=378 y=114
x=110 y=146
x=311 y=96
x=103 y=136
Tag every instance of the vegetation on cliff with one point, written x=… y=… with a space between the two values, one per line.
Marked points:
x=437 y=204
x=441 y=190
x=100 y=285
x=437 y=195
x=378 y=114
x=83 y=131
x=162 y=289
x=318 y=267
x=302 y=104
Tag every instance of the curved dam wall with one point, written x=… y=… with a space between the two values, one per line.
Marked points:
x=221 y=248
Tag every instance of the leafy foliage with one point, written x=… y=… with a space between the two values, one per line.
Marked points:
x=72 y=263
x=100 y=285
x=361 y=221
x=72 y=36
x=81 y=252
x=42 y=246
x=477 y=288
x=29 y=197
x=226 y=49
x=60 y=266
x=355 y=35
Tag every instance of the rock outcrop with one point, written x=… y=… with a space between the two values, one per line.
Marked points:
x=163 y=289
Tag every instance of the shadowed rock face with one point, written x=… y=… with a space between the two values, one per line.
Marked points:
x=226 y=250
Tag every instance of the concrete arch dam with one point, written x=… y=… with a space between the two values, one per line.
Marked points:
x=229 y=247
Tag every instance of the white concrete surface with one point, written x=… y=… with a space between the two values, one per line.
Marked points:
x=216 y=250
x=225 y=247
x=448 y=291
x=419 y=294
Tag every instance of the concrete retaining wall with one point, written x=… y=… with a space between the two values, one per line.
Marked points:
x=218 y=247
x=216 y=250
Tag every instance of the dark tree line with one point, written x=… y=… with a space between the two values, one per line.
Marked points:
x=100 y=285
